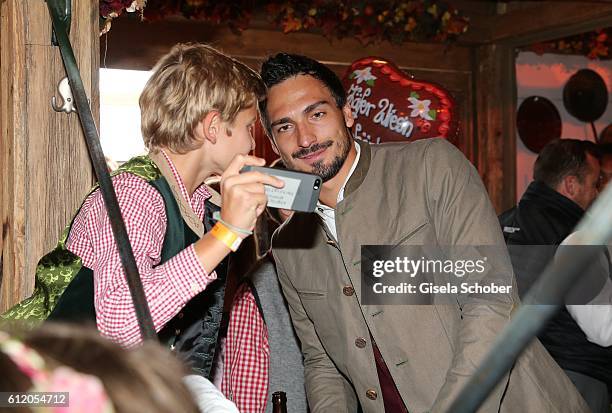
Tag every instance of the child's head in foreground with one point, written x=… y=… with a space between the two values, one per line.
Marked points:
x=99 y=375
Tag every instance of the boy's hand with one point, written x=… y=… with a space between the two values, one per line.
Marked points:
x=242 y=195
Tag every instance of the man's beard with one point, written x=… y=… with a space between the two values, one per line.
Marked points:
x=326 y=171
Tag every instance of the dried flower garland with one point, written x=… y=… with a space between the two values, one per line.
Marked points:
x=368 y=21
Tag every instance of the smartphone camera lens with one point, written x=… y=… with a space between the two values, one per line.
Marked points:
x=316 y=184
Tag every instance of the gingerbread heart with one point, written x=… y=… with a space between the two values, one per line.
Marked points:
x=390 y=105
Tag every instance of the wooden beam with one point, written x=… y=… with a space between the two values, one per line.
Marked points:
x=495 y=107
x=120 y=48
x=12 y=153
x=542 y=21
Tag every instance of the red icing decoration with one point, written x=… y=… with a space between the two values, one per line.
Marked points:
x=390 y=105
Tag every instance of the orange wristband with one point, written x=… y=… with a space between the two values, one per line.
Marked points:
x=226 y=236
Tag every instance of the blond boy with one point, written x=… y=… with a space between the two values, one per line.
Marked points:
x=198 y=111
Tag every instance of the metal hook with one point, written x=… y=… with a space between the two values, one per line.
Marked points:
x=66 y=99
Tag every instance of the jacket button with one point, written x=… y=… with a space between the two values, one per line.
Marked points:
x=371 y=394
x=348 y=290
x=360 y=342
x=181 y=315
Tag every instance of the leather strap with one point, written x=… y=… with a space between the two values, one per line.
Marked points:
x=141 y=307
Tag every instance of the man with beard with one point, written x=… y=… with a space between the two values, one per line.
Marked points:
x=392 y=358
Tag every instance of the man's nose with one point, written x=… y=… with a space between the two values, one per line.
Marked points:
x=305 y=136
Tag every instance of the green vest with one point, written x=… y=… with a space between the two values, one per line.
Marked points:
x=64 y=287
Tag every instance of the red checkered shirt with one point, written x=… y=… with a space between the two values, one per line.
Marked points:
x=247 y=355
x=168 y=287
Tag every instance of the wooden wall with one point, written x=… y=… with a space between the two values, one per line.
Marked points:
x=44 y=169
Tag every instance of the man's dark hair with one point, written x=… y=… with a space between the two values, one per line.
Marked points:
x=605 y=150
x=283 y=66
x=563 y=157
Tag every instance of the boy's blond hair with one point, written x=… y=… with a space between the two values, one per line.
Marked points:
x=187 y=83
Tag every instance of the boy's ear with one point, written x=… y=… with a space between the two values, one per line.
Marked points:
x=209 y=127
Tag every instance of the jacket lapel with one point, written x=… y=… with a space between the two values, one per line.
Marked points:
x=362 y=168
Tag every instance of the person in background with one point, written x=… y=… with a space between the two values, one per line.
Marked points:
x=391 y=358
x=565 y=183
x=262 y=353
x=198 y=111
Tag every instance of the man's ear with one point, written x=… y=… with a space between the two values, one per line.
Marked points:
x=349 y=120
x=569 y=186
x=208 y=128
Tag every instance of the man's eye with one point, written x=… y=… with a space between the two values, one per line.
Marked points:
x=318 y=115
x=283 y=128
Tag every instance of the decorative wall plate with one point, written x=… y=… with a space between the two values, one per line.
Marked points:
x=538 y=122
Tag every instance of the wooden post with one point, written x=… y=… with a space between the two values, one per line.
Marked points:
x=495 y=91
x=45 y=169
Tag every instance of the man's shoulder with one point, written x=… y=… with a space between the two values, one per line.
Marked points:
x=413 y=147
x=423 y=150
x=426 y=160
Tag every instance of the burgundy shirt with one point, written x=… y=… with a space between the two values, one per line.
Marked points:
x=391 y=398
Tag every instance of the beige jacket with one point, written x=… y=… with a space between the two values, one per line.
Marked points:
x=422 y=193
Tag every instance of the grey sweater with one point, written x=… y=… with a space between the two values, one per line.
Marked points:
x=286 y=362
